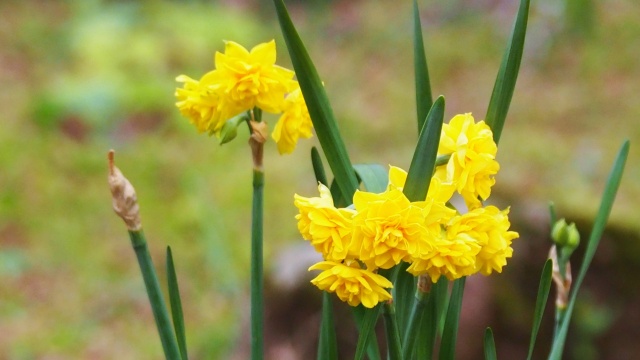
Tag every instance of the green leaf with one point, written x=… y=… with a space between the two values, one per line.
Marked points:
x=606 y=204
x=424 y=157
x=403 y=297
x=318 y=105
x=541 y=301
x=318 y=167
x=327 y=343
x=489 y=345
x=374 y=177
x=366 y=320
x=508 y=74
x=424 y=100
x=450 y=333
x=176 y=305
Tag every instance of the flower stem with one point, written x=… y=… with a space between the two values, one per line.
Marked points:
x=158 y=306
x=391 y=331
x=417 y=312
x=256 y=143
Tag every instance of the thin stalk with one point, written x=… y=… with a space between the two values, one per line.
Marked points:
x=257 y=285
x=256 y=142
x=391 y=331
x=415 y=318
x=158 y=305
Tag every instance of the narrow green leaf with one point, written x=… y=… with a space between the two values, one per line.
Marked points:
x=318 y=167
x=403 y=297
x=424 y=100
x=327 y=343
x=176 y=305
x=411 y=331
x=450 y=333
x=441 y=301
x=541 y=302
x=424 y=157
x=366 y=320
x=606 y=204
x=374 y=177
x=489 y=345
x=508 y=74
x=318 y=105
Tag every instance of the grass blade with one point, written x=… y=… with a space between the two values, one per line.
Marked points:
x=508 y=73
x=318 y=105
x=541 y=302
x=450 y=332
x=606 y=204
x=327 y=344
x=366 y=320
x=489 y=345
x=424 y=157
x=176 y=305
x=424 y=99
x=374 y=177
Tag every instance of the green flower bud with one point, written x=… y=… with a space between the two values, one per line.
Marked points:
x=565 y=235
x=229 y=130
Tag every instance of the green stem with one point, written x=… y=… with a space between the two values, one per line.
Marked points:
x=158 y=306
x=257 y=300
x=391 y=331
x=415 y=318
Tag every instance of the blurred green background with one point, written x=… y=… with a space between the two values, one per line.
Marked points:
x=79 y=78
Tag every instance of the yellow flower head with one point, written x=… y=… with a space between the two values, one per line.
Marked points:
x=472 y=165
x=387 y=228
x=203 y=104
x=293 y=124
x=453 y=256
x=327 y=228
x=351 y=283
x=251 y=78
x=490 y=228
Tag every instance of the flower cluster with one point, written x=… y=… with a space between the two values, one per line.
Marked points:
x=379 y=231
x=241 y=81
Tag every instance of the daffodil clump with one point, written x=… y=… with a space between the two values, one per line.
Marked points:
x=379 y=231
x=242 y=81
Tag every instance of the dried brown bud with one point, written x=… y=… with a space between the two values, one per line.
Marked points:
x=125 y=201
x=424 y=284
x=259 y=134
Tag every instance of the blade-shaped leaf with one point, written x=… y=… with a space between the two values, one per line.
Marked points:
x=318 y=105
x=374 y=177
x=403 y=297
x=424 y=100
x=327 y=343
x=176 y=305
x=489 y=345
x=424 y=157
x=541 y=301
x=318 y=167
x=366 y=320
x=450 y=333
x=606 y=204
x=508 y=74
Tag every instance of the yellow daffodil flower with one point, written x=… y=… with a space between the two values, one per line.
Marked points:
x=326 y=227
x=472 y=165
x=351 y=283
x=293 y=124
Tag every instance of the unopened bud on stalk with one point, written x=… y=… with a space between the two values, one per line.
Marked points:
x=125 y=201
x=565 y=235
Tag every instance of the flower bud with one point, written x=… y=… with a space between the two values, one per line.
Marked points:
x=565 y=235
x=229 y=130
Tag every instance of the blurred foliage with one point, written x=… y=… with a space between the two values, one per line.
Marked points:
x=82 y=77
